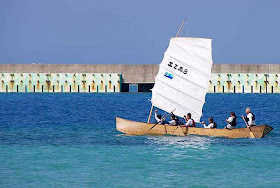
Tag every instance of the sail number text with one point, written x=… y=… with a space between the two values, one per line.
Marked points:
x=176 y=67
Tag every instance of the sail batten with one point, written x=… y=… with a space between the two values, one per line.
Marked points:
x=181 y=91
x=183 y=78
x=206 y=88
x=194 y=56
x=190 y=57
x=190 y=110
x=202 y=58
x=203 y=73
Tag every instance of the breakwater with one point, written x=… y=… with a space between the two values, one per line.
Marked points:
x=226 y=78
x=60 y=82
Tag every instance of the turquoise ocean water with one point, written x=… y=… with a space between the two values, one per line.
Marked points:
x=70 y=140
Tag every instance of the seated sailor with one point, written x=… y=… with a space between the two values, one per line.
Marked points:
x=250 y=119
x=231 y=121
x=189 y=121
x=212 y=124
x=159 y=119
x=174 y=120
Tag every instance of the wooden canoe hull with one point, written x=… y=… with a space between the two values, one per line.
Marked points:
x=139 y=128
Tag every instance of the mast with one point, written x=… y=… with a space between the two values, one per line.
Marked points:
x=181 y=27
x=149 y=118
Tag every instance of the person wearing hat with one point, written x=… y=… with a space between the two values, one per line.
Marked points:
x=250 y=118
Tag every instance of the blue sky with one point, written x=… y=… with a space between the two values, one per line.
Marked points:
x=135 y=32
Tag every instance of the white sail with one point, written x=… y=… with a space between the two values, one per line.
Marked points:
x=183 y=78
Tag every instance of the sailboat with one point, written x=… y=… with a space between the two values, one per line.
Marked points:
x=180 y=88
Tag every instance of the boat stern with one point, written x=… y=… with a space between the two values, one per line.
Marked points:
x=267 y=129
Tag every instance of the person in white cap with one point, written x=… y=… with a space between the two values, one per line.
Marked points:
x=250 y=118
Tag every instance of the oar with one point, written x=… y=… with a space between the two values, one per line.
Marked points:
x=162 y=118
x=181 y=128
x=160 y=121
x=164 y=114
x=251 y=133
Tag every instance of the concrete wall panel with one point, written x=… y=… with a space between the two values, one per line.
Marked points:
x=131 y=73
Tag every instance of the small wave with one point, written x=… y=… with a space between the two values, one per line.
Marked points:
x=192 y=142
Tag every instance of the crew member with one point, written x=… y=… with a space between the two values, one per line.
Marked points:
x=212 y=124
x=159 y=119
x=250 y=119
x=189 y=121
x=174 y=120
x=231 y=121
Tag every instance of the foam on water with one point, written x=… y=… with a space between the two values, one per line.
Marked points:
x=194 y=142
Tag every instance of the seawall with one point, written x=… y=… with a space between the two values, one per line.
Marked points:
x=143 y=73
x=226 y=78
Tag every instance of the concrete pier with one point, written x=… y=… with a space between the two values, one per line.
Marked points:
x=226 y=78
